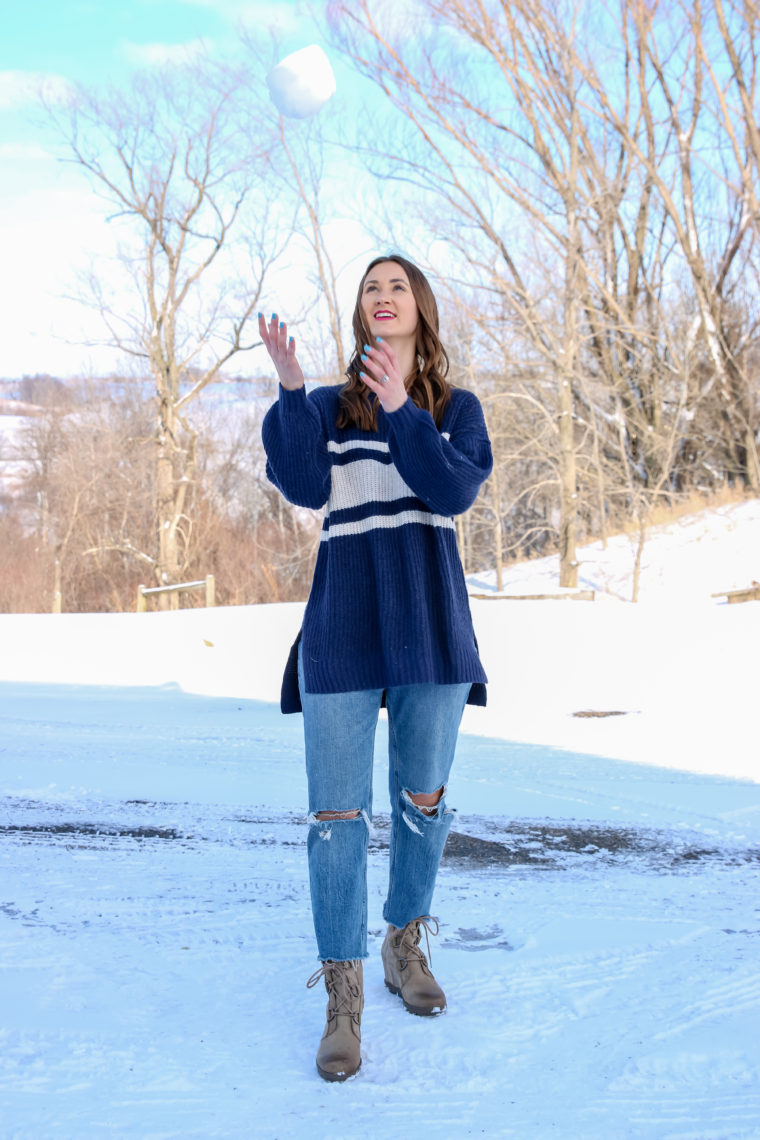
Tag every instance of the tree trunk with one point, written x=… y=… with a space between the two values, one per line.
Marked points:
x=167 y=566
x=642 y=537
x=568 y=566
x=753 y=460
x=498 y=542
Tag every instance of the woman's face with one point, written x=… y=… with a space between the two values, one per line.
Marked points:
x=387 y=302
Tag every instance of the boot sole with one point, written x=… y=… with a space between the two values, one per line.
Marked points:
x=417 y=1010
x=326 y=1075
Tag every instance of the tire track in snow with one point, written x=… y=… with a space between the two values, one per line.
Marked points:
x=561 y=979
x=742 y=994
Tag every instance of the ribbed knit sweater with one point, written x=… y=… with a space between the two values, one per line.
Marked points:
x=388 y=603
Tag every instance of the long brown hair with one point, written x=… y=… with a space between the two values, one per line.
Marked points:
x=428 y=387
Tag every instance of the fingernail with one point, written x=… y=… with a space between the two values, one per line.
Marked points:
x=274 y=316
x=282 y=324
x=364 y=359
x=259 y=314
x=379 y=340
x=291 y=339
x=363 y=375
x=366 y=348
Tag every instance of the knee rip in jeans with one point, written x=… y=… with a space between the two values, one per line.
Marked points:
x=428 y=804
x=321 y=818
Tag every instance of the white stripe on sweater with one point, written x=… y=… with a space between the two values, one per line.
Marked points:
x=365 y=481
x=365 y=444
x=387 y=522
x=357 y=445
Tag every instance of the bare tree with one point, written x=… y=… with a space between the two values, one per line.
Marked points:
x=262 y=547
x=735 y=105
x=82 y=506
x=305 y=161
x=666 y=50
x=198 y=236
x=304 y=168
x=491 y=168
x=566 y=146
x=84 y=489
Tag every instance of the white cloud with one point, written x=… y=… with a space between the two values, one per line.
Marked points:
x=20 y=88
x=159 y=54
x=23 y=152
x=48 y=236
x=282 y=17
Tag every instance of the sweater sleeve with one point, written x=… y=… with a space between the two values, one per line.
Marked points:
x=298 y=462
x=445 y=474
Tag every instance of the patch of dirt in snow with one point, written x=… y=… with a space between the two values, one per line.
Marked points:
x=496 y=842
x=89 y=830
x=536 y=844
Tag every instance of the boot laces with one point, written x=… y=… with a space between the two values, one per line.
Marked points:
x=341 y=992
x=409 y=942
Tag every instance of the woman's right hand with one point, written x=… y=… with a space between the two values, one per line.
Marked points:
x=282 y=351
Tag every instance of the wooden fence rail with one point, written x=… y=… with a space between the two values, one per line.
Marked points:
x=144 y=591
x=574 y=596
x=749 y=594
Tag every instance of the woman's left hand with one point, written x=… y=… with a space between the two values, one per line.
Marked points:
x=382 y=376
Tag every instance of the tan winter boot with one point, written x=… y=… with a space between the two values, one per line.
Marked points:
x=339 y=1056
x=407 y=972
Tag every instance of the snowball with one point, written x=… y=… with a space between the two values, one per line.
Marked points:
x=302 y=82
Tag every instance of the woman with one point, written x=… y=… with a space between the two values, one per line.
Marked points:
x=394 y=453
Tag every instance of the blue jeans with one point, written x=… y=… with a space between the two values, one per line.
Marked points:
x=339 y=735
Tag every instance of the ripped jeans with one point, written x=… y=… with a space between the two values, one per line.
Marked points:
x=339 y=734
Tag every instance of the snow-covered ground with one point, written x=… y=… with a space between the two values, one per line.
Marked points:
x=11 y=466
x=599 y=905
x=683 y=563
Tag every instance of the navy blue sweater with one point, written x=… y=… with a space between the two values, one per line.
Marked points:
x=388 y=604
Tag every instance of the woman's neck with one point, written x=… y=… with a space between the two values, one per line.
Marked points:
x=405 y=349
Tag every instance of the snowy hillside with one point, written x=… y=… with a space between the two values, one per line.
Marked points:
x=598 y=896
x=11 y=466
x=679 y=664
x=683 y=563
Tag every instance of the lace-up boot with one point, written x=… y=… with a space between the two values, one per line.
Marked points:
x=339 y=1056
x=407 y=972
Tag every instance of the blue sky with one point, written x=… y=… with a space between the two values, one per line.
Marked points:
x=97 y=40
x=88 y=41
x=49 y=218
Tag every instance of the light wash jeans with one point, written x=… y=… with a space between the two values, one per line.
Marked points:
x=339 y=735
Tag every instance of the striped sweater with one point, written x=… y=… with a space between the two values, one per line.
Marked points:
x=388 y=604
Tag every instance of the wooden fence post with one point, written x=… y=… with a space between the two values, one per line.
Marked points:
x=57 y=601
